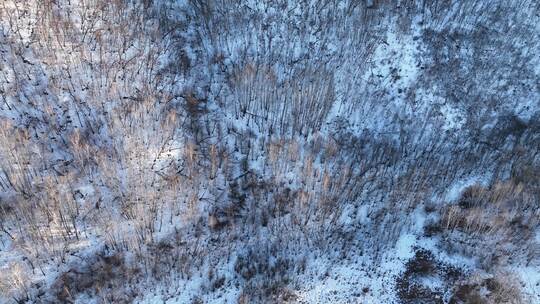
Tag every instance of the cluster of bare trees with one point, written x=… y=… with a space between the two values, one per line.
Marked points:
x=185 y=133
x=85 y=131
x=494 y=216
x=298 y=106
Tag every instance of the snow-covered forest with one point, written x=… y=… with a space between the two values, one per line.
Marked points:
x=270 y=151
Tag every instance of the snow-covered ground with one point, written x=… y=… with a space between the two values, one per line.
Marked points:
x=269 y=151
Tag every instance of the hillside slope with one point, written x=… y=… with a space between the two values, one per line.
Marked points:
x=311 y=151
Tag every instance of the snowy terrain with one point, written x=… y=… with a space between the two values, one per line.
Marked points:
x=309 y=151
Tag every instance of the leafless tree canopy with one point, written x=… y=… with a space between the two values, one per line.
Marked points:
x=211 y=150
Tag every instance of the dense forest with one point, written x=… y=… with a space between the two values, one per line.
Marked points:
x=270 y=151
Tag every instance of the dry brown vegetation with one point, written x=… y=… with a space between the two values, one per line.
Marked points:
x=179 y=138
x=494 y=210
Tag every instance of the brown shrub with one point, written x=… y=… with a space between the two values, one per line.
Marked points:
x=500 y=288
